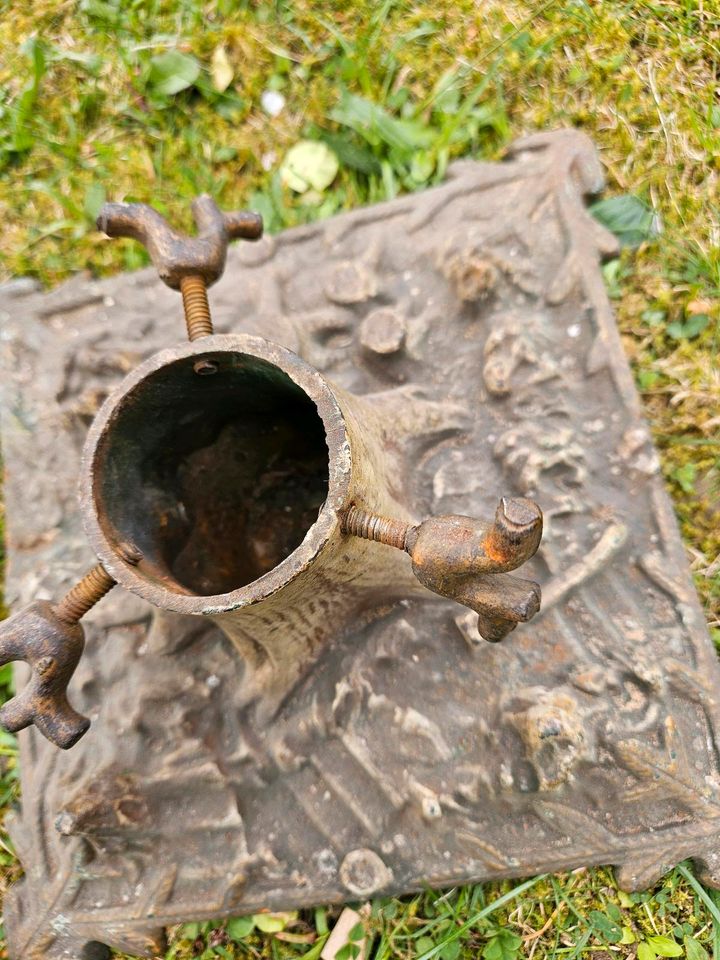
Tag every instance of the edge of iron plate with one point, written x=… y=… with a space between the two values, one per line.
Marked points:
x=587 y=738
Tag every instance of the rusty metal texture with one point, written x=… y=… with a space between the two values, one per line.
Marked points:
x=474 y=320
x=52 y=646
x=81 y=598
x=50 y=640
x=176 y=255
x=459 y=558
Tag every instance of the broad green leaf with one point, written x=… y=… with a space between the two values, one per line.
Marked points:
x=653 y=317
x=645 y=951
x=631 y=220
x=99 y=10
x=172 y=72
x=612 y=276
x=690 y=328
x=625 y=899
x=451 y=951
x=606 y=928
x=310 y=164
x=685 y=476
x=378 y=126
x=262 y=203
x=423 y=944
x=357 y=932
x=225 y=154
x=614 y=912
x=503 y=945
x=350 y=951
x=88 y=61
x=94 y=199
x=240 y=927
x=647 y=379
x=390 y=909
x=627 y=935
x=352 y=155
x=665 y=947
x=694 y=950
x=422 y=166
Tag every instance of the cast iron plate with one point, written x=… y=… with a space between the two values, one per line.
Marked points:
x=412 y=754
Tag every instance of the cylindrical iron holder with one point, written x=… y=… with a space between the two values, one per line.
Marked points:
x=173 y=436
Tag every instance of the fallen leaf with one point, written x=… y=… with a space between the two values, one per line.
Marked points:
x=309 y=164
x=699 y=306
x=221 y=69
x=288 y=937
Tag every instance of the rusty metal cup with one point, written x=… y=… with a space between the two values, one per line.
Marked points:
x=230 y=490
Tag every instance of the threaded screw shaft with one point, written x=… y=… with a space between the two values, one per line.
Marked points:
x=370 y=526
x=84 y=595
x=196 y=307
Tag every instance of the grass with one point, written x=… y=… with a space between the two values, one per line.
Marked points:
x=550 y=916
x=123 y=99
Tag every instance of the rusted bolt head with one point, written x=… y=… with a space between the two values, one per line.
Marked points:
x=520 y=512
x=129 y=553
x=362 y=872
x=383 y=332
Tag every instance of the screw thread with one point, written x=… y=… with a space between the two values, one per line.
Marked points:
x=196 y=307
x=370 y=526
x=84 y=595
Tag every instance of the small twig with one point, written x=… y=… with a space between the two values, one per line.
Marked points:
x=651 y=919
x=548 y=923
x=535 y=937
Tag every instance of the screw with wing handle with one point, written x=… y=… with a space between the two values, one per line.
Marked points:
x=187 y=264
x=50 y=639
x=468 y=560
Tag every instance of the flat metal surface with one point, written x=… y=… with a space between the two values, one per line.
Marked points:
x=412 y=753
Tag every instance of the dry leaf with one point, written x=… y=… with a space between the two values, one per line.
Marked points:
x=221 y=69
x=288 y=937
